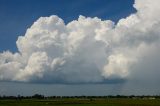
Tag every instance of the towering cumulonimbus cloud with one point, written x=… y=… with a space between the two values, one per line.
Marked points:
x=87 y=50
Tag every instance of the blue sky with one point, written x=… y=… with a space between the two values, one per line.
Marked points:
x=91 y=56
x=18 y=15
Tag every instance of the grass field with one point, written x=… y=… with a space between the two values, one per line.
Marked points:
x=81 y=102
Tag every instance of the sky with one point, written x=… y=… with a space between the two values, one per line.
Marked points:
x=18 y=15
x=88 y=47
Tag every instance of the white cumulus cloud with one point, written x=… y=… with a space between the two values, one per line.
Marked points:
x=87 y=50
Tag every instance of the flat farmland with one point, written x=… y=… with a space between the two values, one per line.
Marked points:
x=81 y=102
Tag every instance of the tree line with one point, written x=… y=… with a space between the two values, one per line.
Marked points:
x=39 y=96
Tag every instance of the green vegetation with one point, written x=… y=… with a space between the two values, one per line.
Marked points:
x=81 y=102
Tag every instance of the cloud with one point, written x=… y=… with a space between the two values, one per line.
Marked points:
x=87 y=50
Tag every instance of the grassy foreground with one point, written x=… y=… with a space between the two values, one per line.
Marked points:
x=81 y=102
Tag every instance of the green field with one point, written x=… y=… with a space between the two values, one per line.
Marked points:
x=81 y=102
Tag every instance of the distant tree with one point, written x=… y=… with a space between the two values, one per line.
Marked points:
x=38 y=96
